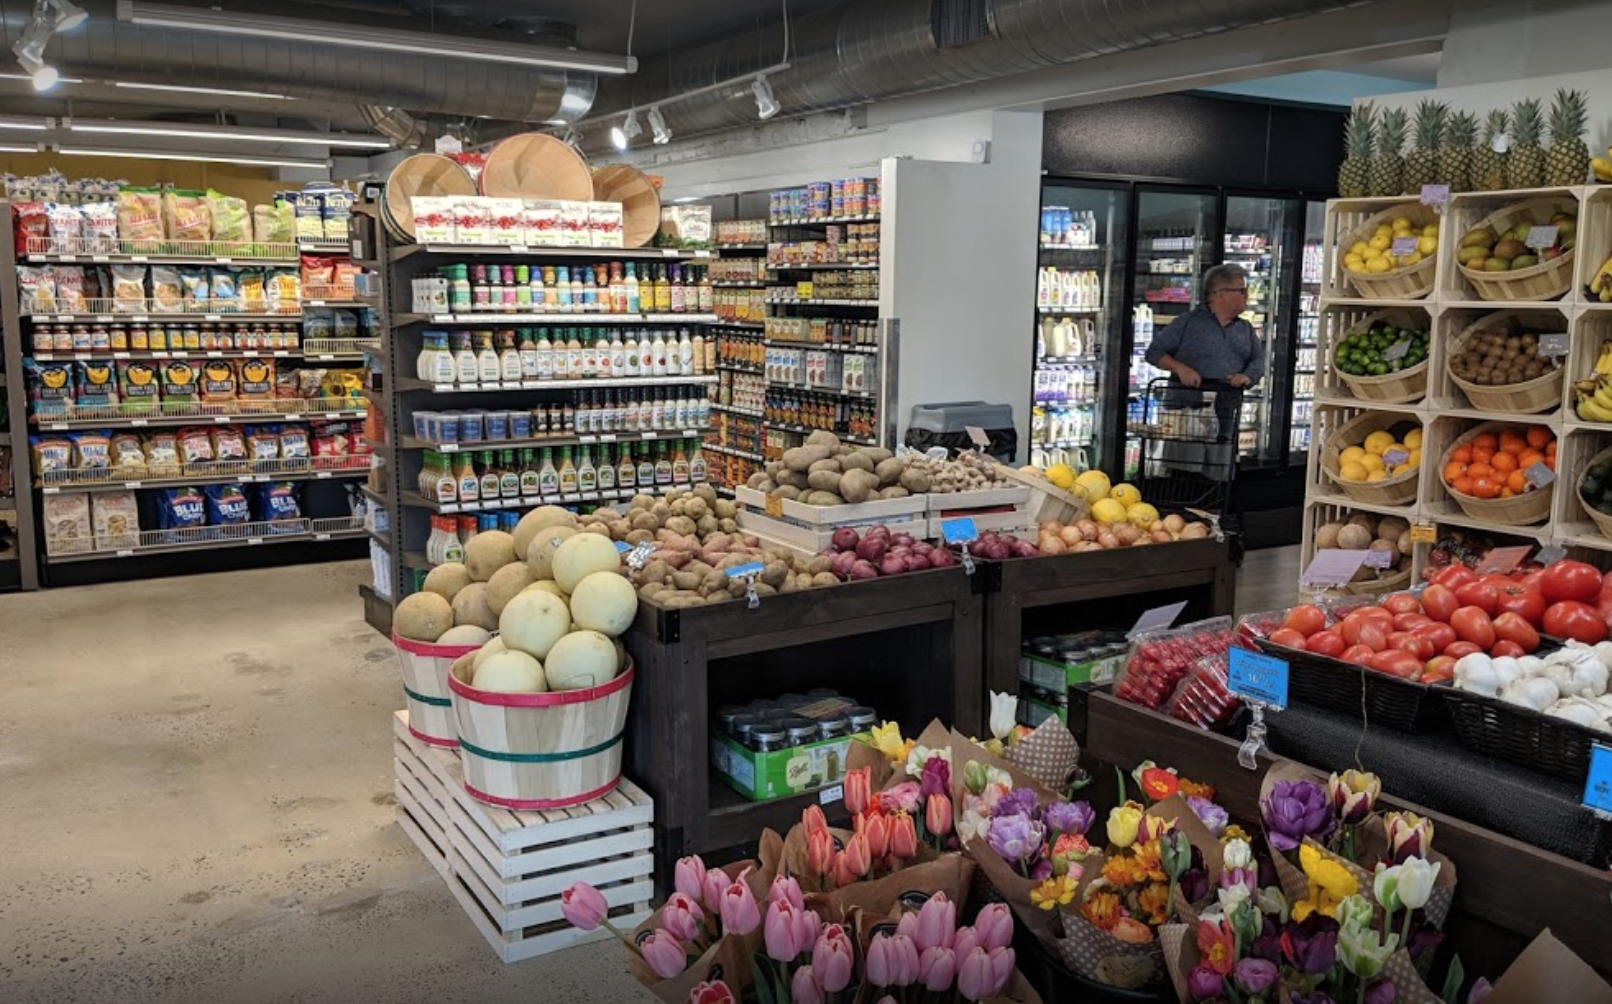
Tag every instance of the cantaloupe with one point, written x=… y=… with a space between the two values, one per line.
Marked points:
x=546 y=586
x=1327 y=535
x=487 y=552
x=540 y=553
x=465 y=634
x=494 y=645
x=505 y=584
x=537 y=519
x=1354 y=537
x=447 y=579
x=533 y=621
x=511 y=673
x=422 y=617
x=605 y=602
x=470 y=607
x=583 y=659
x=581 y=556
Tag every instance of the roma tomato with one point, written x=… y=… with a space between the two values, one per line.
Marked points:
x=1578 y=621
x=1529 y=604
x=1514 y=627
x=1510 y=648
x=1287 y=638
x=1396 y=663
x=1473 y=625
x=1408 y=622
x=1482 y=595
x=1402 y=603
x=1497 y=580
x=1438 y=669
x=1306 y=619
x=1328 y=643
x=1360 y=655
x=1452 y=576
x=1374 y=613
x=1409 y=641
x=1373 y=636
x=1440 y=601
x=1457 y=649
x=1606 y=582
x=1570 y=580
x=1441 y=635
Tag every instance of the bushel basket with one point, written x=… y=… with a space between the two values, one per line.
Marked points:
x=1519 y=510
x=1391 y=388
x=1522 y=735
x=1394 y=490
x=1409 y=283
x=1602 y=521
x=1360 y=693
x=1546 y=281
x=1543 y=393
x=426 y=667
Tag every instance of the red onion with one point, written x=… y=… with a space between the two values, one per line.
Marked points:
x=842 y=563
x=878 y=531
x=863 y=570
x=915 y=562
x=872 y=548
x=902 y=540
x=941 y=558
x=845 y=539
x=892 y=565
x=922 y=548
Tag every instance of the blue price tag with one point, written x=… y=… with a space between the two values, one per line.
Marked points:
x=740 y=571
x=959 y=531
x=623 y=547
x=1598 y=786
x=1255 y=676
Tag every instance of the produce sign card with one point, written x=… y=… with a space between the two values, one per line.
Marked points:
x=1554 y=344
x=1502 y=560
x=1542 y=237
x=1403 y=245
x=959 y=531
x=977 y=436
x=1257 y=677
x=1333 y=566
x=1423 y=533
x=1435 y=195
x=1379 y=559
x=1551 y=554
x=1158 y=617
x=1598 y=786
x=1397 y=351
x=740 y=571
x=1539 y=475
x=1393 y=458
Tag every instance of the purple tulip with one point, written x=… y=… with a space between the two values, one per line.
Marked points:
x=1480 y=991
x=1068 y=817
x=1194 y=885
x=1295 y=810
x=1245 y=877
x=1311 y=947
x=1255 y=976
x=1381 y=991
x=1019 y=801
x=1041 y=870
x=936 y=779
x=1424 y=939
x=1014 y=836
x=1203 y=983
x=1209 y=814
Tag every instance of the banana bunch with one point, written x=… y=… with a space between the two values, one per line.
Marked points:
x=1601 y=285
x=1602 y=166
x=1594 y=395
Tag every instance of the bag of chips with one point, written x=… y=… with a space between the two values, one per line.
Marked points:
x=167 y=292
x=229 y=444
x=50 y=387
x=253 y=291
x=276 y=503
x=92 y=454
x=32 y=230
x=162 y=454
x=138 y=387
x=223 y=294
x=232 y=221
x=53 y=457
x=66 y=228
x=285 y=291
x=193 y=287
x=127 y=455
x=70 y=297
x=254 y=388
x=100 y=227
x=263 y=446
x=67 y=523
x=195 y=446
x=38 y=289
x=227 y=505
x=186 y=215
x=218 y=385
x=181 y=510
x=97 y=385
x=293 y=444
x=116 y=516
x=180 y=387
x=140 y=216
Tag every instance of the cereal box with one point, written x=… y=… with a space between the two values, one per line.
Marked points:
x=508 y=225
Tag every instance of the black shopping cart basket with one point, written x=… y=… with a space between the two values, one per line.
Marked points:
x=1188 y=441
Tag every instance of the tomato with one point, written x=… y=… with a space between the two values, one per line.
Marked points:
x=1505 y=647
x=1377 y=614
x=1527 y=603
x=1306 y=619
x=1482 y=595
x=1571 y=619
x=1327 y=642
x=1396 y=663
x=1372 y=635
x=1452 y=576
x=1528 y=580
x=1287 y=638
x=1606 y=582
x=1457 y=649
x=1406 y=622
x=1439 y=601
x=1418 y=645
x=1473 y=625
x=1357 y=654
x=1570 y=580
x=1402 y=603
x=1514 y=627
x=1438 y=669
x=1442 y=636
x=1497 y=580
x=1603 y=606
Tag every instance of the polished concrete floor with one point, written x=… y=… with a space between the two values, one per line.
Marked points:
x=196 y=807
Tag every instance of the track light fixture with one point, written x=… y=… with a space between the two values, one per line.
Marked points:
x=573 y=139
x=623 y=135
x=766 y=103
x=67 y=14
x=30 y=47
x=657 y=125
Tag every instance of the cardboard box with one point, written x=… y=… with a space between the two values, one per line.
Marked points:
x=762 y=777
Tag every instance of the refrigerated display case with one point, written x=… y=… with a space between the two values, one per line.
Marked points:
x=1306 y=335
x=1260 y=236
x=1082 y=244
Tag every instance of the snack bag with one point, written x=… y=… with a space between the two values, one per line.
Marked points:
x=100 y=227
x=69 y=289
x=231 y=221
x=162 y=454
x=193 y=288
x=92 y=454
x=294 y=449
x=50 y=387
x=66 y=228
x=332 y=444
x=97 y=385
x=338 y=213
x=186 y=216
x=167 y=291
x=32 y=230
x=285 y=291
x=222 y=293
x=263 y=446
x=254 y=292
x=254 y=387
x=53 y=457
x=318 y=275
x=116 y=519
x=180 y=387
x=180 y=510
x=229 y=444
x=218 y=385
x=195 y=446
x=38 y=289
x=128 y=456
x=227 y=505
x=344 y=279
x=140 y=216
x=344 y=324
x=138 y=387
x=309 y=206
x=129 y=290
x=433 y=219
x=276 y=503
x=67 y=523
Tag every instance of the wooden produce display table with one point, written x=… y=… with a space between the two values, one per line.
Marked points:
x=909 y=646
x=1198 y=571
x=1507 y=892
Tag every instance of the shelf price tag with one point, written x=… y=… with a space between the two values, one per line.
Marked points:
x=774 y=505
x=1393 y=458
x=1554 y=344
x=749 y=573
x=1501 y=560
x=962 y=531
x=1332 y=566
x=804 y=290
x=1550 y=554
x=1379 y=559
x=1435 y=195
x=1542 y=237
x=1158 y=617
x=1598 y=785
x=1539 y=475
x=1423 y=533
x=1403 y=246
x=977 y=436
x=1261 y=681
x=829 y=796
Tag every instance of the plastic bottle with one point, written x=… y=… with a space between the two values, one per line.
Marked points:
x=632 y=352
x=548 y=477
x=544 y=356
x=528 y=355
x=602 y=354
x=469 y=482
x=528 y=475
x=606 y=470
x=466 y=368
x=509 y=358
x=587 y=474
x=568 y=472
x=698 y=473
x=488 y=366
x=685 y=354
x=630 y=284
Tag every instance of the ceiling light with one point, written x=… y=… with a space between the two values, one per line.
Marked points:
x=766 y=103
x=120 y=128
x=19 y=147
x=361 y=37
x=30 y=50
x=19 y=122
x=216 y=158
x=220 y=91
x=24 y=76
x=68 y=15
x=657 y=125
x=624 y=134
x=42 y=74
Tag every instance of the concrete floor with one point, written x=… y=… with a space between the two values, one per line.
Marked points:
x=196 y=805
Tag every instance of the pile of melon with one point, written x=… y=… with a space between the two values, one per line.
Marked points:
x=1365 y=532
x=554 y=593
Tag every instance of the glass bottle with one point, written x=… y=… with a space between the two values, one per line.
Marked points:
x=685 y=354
x=568 y=472
x=618 y=355
x=698 y=349
x=589 y=291
x=632 y=350
x=464 y=473
x=663 y=466
x=663 y=290
x=562 y=358
x=606 y=470
x=466 y=369
x=509 y=476
x=488 y=367
x=523 y=289
x=425 y=362
x=646 y=466
x=678 y=292
x=550 y=285
x=630 y=283
x=626 y=470
x=680 y=470
x=528 y=475
x=491 y=478
x=587 y=474
x=562 y=283
x=618 y=290
x=511 y=294
x=480 y=292
x=509 y=358
x=528 y=355
x=548 y=478
x=578 y=304
x=657 y=410
x=698 y=473
x=707 y=292
x=459 y=298
x=574 y=360
x=657 y=355
x=601 y=354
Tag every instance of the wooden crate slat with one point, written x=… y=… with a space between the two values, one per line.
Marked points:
x=515 y=891
x=424 y=786
x=429 y=810
x=408 y=820
x=520 y=914
x=521 y=945
x=547 y=857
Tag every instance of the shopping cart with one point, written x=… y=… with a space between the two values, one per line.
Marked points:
x=1188 y=455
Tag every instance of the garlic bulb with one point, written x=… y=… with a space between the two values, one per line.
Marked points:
x=1534 y=692
x=1475 y=674
x=1507 y=670
x=1603 y=651
x=1577 y=672
x=1587 y=713
x=1605 y=701
x=1531 y=665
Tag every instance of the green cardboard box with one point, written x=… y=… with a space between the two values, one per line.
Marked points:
x=762 y=777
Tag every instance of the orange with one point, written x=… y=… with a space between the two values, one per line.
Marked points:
x=1482 y=454
x=1550 y=449
x=1529 y=459
x=1453 y=470
x=1504 y=462
x=1550 y=461
x=1462 y=485
x=1538 y=436
x=1512 y=441
x=1484 y=488
x=1506 y=492
x=1462 y=454
x=1483 y=440
x=1517 y=482
x=1477 y=471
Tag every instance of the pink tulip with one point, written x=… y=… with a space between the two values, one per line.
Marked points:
x=974 y=975
x=804 y=988
x=808 y=925
x=937 y=969
x=937 y=923
x=833 y=958
x=780 y=932
x=965 y=941
x=841 y=871
x=902 y=797
x=858 y=855
x=908 y=925
x=938 y=815
x=663 y=953
x=682 y=916
x=786 y=888
x=820 y=853
x=877 y=833
x=1002 y=960
x=688 y=877
x=716 y=880
x=814 y=821
x=583 y=907
x=740 y=914
x=994 y=926
x=906 y=954
x=715 y=992
x=903 y=838
x=858 y=790
x=892 y=961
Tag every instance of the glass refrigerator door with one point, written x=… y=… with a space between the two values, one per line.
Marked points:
x=1079 y=290
x=1307 y=335
x=1175 y=232
x=1255 y=238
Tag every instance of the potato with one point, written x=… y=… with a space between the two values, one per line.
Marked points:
x=695 y=508
x=877 y=454
x=728 y=526
x=831 y=464
x=682 y=525
x=713 y=581
x=678 y=600
x=705 y=493
x=856 y=462
x=642 y=501
x=686 y=580
x=646 y=521
x=893 y=492
x=916 y=482
x=662 y=509
x=679 y=507
x=706 y=524
x=675 y=559
x=795 y=478
x=725 y=509
x=790 y=586
x=889 y=471
x=733 y=561
x=762 y=589
x=825 y=579
x=789 y=492
x=775 y=573
x=822 y=498
x=844 y=450
x=773 y=467
x=820 y=563
x=858 y=486
x=619 y=528
x=651 y=590
x=639 y=537
x=656 y=571
x=822 y=438
x=824 y=481
x=768 y=486
x=801 y=458
x=598 y=528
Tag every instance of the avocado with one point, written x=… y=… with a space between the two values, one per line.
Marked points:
x=1524 y=261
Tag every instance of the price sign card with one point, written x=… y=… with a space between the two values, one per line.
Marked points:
x=1542 y=237
x=1393 y=458
x=1333 y=566
x=1403 y=245
x=1539 y=475
x=1598 y=786
x=741 y=571
x=1554 y=344
x=1257 y=677
x=1502 y=560
x=1550 y=554
x=959 y=531
x=1379 y=559
x=1423 y=533
x=1158 y=617
x=1435 y=195
x=1397 y=351
x=977 y=436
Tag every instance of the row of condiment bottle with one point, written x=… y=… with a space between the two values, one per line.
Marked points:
x=511 y=356
x=532 y=476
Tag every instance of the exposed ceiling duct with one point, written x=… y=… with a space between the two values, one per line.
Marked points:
x=105 y=49
x=866 y=51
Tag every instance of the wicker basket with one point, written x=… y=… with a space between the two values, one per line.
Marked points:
x=1519 y=510
x=1395 y=490
x=1390 y=388
x=1602 y=521
x=1363 y=694
x=1539 y=394
x=1546 y=281
x=1522 y=735
x=1377 y=587
x=1409 y=283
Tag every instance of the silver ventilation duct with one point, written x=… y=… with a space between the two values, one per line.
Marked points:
x=453 y=88
x=865 y=51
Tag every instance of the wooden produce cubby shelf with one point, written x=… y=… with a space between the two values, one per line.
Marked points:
x=909 y=645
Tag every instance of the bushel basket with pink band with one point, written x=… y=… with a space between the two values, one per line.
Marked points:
x=425 y=669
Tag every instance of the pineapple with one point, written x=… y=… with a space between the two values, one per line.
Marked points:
x=1456 y=153
x=1489 y=164
x=1422 y=166
x=1387 y=174
x=1357 y=143
x=1567 y=162
x=1525 y=163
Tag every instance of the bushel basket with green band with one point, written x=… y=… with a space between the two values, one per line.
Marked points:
x=425 y=667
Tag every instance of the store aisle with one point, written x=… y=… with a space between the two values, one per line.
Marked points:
x=195 y=801
x=1268 y=579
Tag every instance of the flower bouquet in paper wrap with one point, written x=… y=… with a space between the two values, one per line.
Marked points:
x=1547 y=971
x=1048 y=753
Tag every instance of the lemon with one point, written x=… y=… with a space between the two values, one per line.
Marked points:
x=1382 y=242
x=1414 y=458
x=1352 y=472
x=1379 y=265
x=1061 y=475
x=1404 y=468
x=1372 y=462
x=1383 y=230
x=1140 y=514
x=1377 y=476
x=1431 y=230
x=1352 y=260
x=1107 y=512
x=1125 y=495
x=1351 y=454
x=1096 y=485
x=1426 y=245
x=1359 y=248
x=1379 y=442
x=1401 y=223
x=1413 y=439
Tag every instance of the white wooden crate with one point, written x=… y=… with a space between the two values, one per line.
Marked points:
x=421 y=811
x=959 y=502
x=831 y=516
x=508 y=869
x=1019 y=518
x=814 y=540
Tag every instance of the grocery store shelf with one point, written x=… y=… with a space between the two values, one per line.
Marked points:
x=506 y=250
x=732 y=452
x=741 y=247
x=383 y=539
x=797 y=302
x=1070 y=247
x=831 y=391
x=204 y=538
x=413 y=443
x=50 y=357
x=1060 y=444
x=416 y=559
x=1068 y=311
x=739 y=325
x=415 y=500
x=493 y=318
x=1066 y=360
x=340 y=304
x=310 y=409
x=105 y=317
x=160 y=259
x=1449 y=514
x=758 y=284
x=737 y=368
x=236 y=472
x=8 y=504
x=818 y=266
x=807 y=221
x=823 y=346
x=1408 y=510
x=414 y=383
x=736 y=410
x=804 y=431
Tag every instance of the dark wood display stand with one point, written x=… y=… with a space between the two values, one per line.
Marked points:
x=1507 y=892
x=908 y=645
x=1200 y=572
